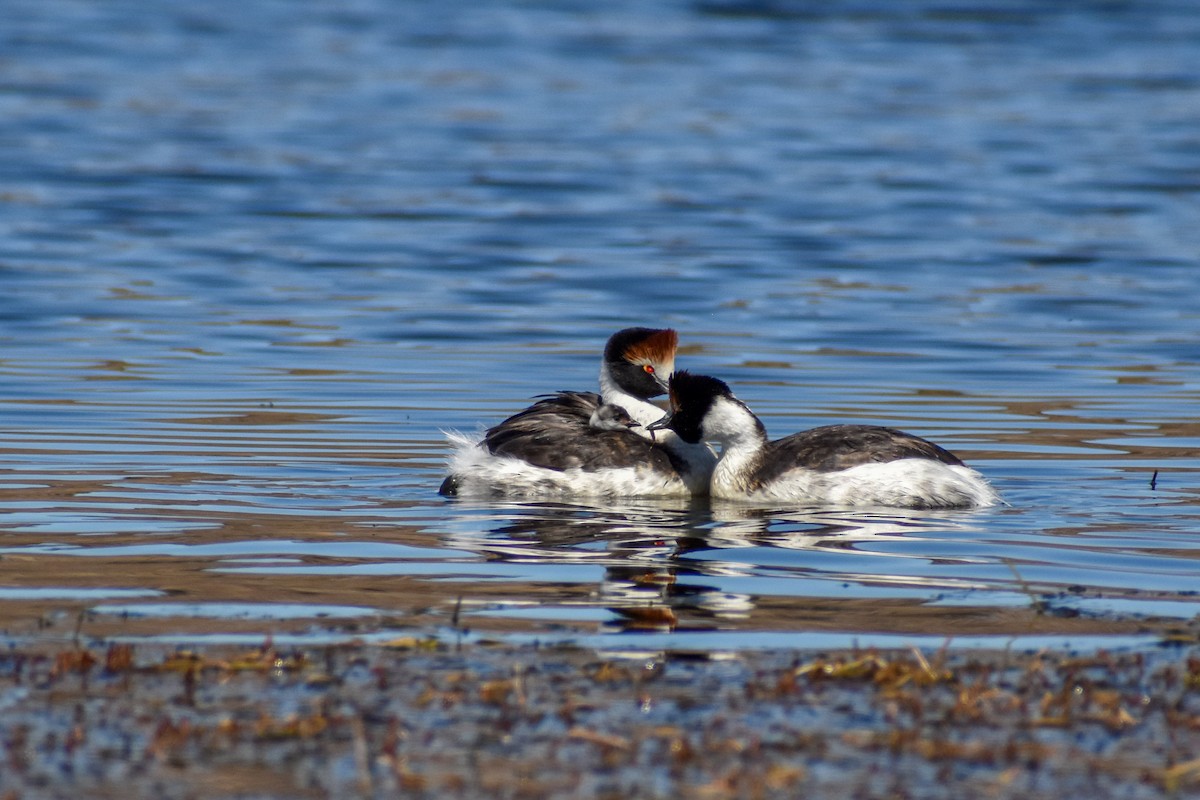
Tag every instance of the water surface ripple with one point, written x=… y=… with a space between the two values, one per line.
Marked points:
x=255 y=258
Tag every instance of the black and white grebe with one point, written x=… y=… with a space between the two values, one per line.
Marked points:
x=845 y=465
x=588 y=444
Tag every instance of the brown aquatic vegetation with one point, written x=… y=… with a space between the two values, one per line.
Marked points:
x=419 y=718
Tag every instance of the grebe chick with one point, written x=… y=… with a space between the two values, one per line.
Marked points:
x=850 y=465
x=611 y=417
x=569 y=444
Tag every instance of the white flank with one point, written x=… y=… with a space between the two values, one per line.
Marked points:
x=905 y=483
x=482 y=474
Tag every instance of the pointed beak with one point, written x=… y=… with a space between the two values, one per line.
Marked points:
x=661 y=424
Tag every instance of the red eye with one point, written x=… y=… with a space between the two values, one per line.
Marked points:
x=649 y=369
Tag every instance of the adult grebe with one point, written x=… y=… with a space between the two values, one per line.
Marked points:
x=583 y=443
x=851 y=465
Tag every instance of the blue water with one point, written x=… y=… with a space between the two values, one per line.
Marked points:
x=254 y=258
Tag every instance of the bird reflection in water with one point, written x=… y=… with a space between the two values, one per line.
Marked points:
x=661 y=560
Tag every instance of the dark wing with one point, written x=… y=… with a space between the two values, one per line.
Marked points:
x=556 y=433
x=837 y=447
x=561 y=414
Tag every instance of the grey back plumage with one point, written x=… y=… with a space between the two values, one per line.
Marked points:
x=556 y=433
x=831 y=448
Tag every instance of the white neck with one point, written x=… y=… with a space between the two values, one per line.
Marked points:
x=643 y=411
x=698 y=458
x=731 y=425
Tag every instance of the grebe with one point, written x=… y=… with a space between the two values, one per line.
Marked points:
x=588 y=444
x=611 y=417
x=847 y=465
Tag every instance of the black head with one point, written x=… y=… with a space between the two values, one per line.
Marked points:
x=641 y=359
x=691 y=398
